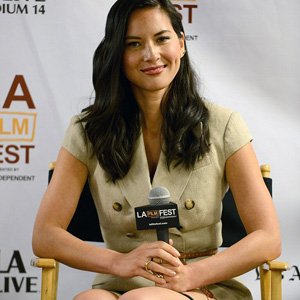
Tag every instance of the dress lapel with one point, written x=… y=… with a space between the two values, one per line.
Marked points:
x=175 y=179
x=136 y=185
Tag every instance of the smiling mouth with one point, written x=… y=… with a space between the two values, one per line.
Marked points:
x=154 y=70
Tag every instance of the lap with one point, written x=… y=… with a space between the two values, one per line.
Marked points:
x=146 y=293
x=152 y=293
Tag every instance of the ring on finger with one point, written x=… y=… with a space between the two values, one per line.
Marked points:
x=159 y=275
x=150 y=272
x=146 y=265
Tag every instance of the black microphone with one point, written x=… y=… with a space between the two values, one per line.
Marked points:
x=158 y=196
x=161 y=214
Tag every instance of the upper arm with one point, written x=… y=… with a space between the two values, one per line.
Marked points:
x=62 y=195
x=251 y=195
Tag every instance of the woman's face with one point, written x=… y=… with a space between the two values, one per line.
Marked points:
x=152 y=51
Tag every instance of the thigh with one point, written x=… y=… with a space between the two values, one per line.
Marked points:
x=157 y=293
x=96 y=294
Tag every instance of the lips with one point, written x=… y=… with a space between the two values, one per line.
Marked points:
x=154 y=70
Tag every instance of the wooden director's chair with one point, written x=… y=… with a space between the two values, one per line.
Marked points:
x=85 y=225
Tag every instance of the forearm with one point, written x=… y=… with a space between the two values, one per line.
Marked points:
x=57 y=243
x=240 y=258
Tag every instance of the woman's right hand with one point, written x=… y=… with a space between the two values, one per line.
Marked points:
x=132 y=264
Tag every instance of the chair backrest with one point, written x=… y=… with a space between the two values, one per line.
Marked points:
x=85 y=222
x=232 y=227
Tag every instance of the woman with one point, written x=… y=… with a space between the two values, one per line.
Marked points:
x=149 y=127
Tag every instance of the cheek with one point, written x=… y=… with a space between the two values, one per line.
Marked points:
x=173 y=53
x=129 y=63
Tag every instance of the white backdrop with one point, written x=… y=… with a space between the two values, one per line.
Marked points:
x=247 y=55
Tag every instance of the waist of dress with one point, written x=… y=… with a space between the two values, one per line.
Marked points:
x=183 y=256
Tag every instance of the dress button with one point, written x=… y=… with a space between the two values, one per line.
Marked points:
x=189 y=204
x=117 y=206
x=131 y=235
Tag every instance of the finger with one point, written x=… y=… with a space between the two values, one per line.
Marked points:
x=166 y=247
x=157 y=260
x=166 y=257
x=159 y=269
x=155 y=277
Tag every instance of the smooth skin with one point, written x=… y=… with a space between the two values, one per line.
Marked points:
x=151 y=60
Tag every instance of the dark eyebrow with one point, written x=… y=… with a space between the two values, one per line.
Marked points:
x=162 y=32
x=130 y=37
x=139 y=38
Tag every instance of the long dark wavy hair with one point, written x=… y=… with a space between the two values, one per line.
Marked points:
x=113 y=121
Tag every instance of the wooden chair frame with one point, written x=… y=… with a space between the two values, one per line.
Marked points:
x=270 y=271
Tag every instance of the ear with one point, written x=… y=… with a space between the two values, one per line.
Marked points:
x=181 y=42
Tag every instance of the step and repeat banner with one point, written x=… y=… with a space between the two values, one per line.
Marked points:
x=246 y=53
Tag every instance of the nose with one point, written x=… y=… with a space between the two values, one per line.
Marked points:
x=151 y=53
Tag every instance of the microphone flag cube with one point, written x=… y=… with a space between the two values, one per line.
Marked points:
x=157 y=216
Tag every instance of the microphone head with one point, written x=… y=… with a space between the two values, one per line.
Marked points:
x=159 y=195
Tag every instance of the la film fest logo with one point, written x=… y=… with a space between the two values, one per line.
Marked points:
x=17 y=129
x=13 y=275
x=17 y=7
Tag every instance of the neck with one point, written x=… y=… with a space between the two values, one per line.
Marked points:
x=149 y=104
x=152 y=120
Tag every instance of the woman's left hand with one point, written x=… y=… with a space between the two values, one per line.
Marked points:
x=182 y=281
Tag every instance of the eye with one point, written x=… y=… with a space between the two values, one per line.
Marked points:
x=163 y=39
x=132 y=44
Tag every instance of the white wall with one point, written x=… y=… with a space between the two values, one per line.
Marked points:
x=246 y=53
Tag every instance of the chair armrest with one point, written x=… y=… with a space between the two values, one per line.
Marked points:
x=276 y=265
x=270 y=279
x=43 y=263
x=50 y=269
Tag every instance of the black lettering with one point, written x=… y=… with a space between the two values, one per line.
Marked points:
x=6 y=284
x=39 y=9
x=14 y=9
x=19 y=263
x=21 y=10
x=191 y=37
x=30 y=284
x=15 y=283
x=296 y=273
x=1 y=161
x=257 y=274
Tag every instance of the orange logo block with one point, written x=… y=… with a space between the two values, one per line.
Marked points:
x=17 y=126
x=152 y=213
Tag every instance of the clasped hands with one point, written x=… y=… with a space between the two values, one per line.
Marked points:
x=158 y=262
